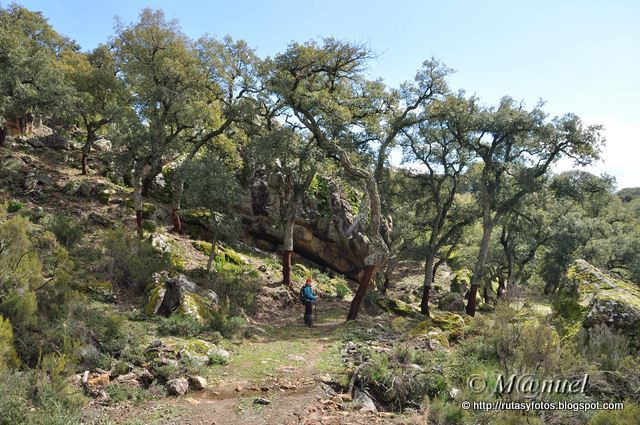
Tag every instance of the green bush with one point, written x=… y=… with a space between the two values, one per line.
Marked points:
x=27 y=398
x=444 y=413
x=119 y=393
x=179 y=325
x=394 y=380
x=238 y=292
x=342 y=290
x=8 y=356
x=131 y=262
x=14 y=206
x=67 y=229
x=149 y=225
x=628 y=416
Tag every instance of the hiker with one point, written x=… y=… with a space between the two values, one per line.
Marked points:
x=308 y=298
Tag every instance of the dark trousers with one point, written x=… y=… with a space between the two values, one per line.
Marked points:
x=308 y=313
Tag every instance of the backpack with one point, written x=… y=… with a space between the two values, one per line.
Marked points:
x=303 y=298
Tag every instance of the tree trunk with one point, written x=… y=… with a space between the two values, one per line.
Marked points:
x=3 y=135
x=287 y=245
x=478 y=270
x=436 y=266
x=485 y=291
x=137 y=198
x=176 y=202
x=385 y=283
x=471 y=303
x=501 y=288
x=286 y=268
x=86 y=148
x=428 y=279
x=360 y=293
x=84 y=164
x=212 y=254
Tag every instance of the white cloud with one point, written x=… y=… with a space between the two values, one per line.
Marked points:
x=620 y=156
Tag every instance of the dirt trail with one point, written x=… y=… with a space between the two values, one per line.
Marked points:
x=287 y=366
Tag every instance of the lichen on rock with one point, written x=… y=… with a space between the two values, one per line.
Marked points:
x=589 y=296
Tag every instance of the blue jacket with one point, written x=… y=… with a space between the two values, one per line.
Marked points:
x=308 y=293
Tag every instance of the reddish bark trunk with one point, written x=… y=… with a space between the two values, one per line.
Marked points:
x=177 y=223
x=360 y=293
x=471 y=303
x=286 y=268
x=84 y=164
x=424 y=305
x=139 y=223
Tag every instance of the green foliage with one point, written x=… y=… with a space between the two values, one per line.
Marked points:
x=342 y=290
x=179 y=325
x=119 y=393
x=67 y=229
x=14 y=206
x=393 y=380
x=628 y=416
x=130 y=262
x=35 y=397
x=443 y=413
x=8 y=356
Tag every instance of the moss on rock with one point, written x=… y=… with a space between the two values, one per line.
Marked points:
x=450 y=323
x=588 y=297
x=398 y=307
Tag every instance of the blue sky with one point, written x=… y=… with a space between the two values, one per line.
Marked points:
x=578 y=56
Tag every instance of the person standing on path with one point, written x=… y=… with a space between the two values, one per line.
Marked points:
x=308 y=298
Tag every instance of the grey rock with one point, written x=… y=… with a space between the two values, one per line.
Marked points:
x=178 y=386
x=453 y=301
x=363 y=402
x=198 y=383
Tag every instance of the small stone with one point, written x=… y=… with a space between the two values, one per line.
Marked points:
x=239 y=388
x=262 y=268
x=327 y=379
x=346 y=397
x=261 y=400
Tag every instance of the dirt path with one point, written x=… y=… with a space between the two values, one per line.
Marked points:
x=288 y=366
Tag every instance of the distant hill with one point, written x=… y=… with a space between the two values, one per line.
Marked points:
x=628 y=194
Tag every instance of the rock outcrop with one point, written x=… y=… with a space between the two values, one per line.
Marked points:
x=327 y=235
x=180 y=295
x=589 y=296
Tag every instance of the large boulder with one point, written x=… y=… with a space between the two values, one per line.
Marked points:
x=451 y=324
x=589 y=296
x=327 y=232
x=180 y=295
x=453 y=301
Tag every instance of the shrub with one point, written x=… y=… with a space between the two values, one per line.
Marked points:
x=234 y=327
x=14 y=206
x=130 y=262
x=67 y=229
x=149 y=225
x=443 y=413
x=371 y=303
x=395 y=381
x=342 y=290
x=8 y=356
x=238 y=292
x=628 y=416
x=605 y=347
x=179 y=325
x=119 y=393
